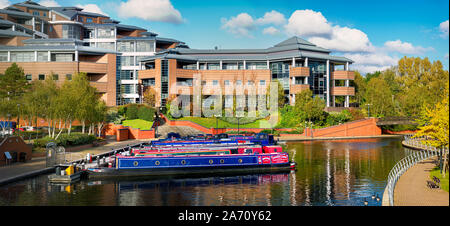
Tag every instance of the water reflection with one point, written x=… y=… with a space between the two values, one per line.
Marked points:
x=329 y=173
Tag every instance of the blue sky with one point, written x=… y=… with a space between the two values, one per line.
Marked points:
x=381 y=32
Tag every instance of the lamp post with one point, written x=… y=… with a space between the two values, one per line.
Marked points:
x=18 y=115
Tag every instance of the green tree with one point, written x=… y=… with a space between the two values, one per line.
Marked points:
x=380 y=97
x=312 y=107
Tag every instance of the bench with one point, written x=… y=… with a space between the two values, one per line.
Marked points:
x=432 y=184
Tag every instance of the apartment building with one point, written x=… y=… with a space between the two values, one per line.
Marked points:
x=63 y=41
x=295 y=62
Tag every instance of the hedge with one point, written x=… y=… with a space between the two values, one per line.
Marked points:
x=146 y=113
x=66 y=140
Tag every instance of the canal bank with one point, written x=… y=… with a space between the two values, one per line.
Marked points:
x=308 y=138
x=411 y=188
x=37 y=166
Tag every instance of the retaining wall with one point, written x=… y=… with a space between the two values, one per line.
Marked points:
x=363 y=127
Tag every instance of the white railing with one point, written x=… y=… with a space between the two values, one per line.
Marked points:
x=403 y=165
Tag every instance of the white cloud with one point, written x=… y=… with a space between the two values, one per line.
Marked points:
x=92 y=8
x=370 y=62
x=240 y=25
x=272 y=17
x=49 y=3
x=443 y=28
x=345 y=39
x=151 y=10
x=270 y=31
x=405 y=47
x=4 y=3
x=307 y=23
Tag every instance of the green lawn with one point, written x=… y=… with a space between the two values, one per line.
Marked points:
x=444 y=181
x=211 y=123
x=138 y=124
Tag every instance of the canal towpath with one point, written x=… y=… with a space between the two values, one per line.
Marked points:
x=37 y=165
x=411 y=188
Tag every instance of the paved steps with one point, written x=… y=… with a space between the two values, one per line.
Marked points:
x=163 y=130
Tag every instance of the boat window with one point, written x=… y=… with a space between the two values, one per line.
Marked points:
x=234 y=151
x=248 y=151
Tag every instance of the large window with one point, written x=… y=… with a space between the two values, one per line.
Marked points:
x=106 y=45
x=126 y=75
x=213 y=66
x=256 y=65
x=22 y=56
x=105 y=33
x=62 y=57
x=3 y=56
x=42 y=56
x=125 y=46
x=127 y=61
x=148 y=82
x=144 y=46
x=71 y=31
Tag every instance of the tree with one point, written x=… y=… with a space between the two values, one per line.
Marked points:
x=150 y=96
x=13 y=85
x=312 y=107
x=280 y=91
x=379 y=95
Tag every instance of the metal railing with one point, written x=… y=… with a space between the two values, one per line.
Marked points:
x=409 y=161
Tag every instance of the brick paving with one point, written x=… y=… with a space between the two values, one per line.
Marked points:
x=411 y=189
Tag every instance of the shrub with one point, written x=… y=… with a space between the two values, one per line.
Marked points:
x=356 y=114
x=122 y=110
x=66 y=140
x=132 y=112
x=146 y=113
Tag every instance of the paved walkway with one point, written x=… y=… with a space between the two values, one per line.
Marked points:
x=411 y=189
x=19 y=169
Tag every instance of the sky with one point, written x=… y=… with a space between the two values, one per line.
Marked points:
x=374 y=34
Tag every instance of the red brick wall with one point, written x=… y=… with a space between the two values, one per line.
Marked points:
x=364 y=127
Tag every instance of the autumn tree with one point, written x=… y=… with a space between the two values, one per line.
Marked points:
x=150 y=96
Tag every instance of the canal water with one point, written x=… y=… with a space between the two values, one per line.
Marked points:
x=329 y=173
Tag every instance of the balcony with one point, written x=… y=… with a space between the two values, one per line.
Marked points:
x=297 y=88
x=344 y=75
x=149 y=73
x=92 y=67
x=102 y=87
x=298 y=71
x=343 y=91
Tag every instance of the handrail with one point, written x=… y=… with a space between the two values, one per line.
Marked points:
x=426 y=152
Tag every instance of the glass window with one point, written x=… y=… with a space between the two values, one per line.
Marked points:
x=126 y=75
x=36 y=13
x=3 y=56
x=144 y=46
x=68 y=77
x=262 y=82
x=148 y=82
x=42 y=56
x=88 y=20
x=106 y=45
x=127 y=61
x=41 y=77
x=213 y=66
x=71 y=31
x=22 y=56
x=238 y=82
x=227 y=82
x=29 y=77
x=256 y=65
x=105 y=32
x=55 y=77
x=125 y=46
x=215 y=82
x=62 y=57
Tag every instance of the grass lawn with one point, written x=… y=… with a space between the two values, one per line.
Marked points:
x=211 y=123
x=138 y=124
x=444 y=181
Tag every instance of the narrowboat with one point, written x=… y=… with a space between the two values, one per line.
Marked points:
x=250 y=161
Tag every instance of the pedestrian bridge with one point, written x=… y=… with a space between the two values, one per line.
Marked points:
x=386 y=121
